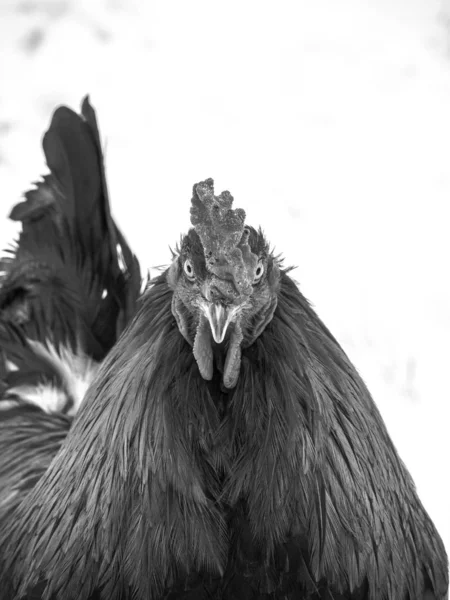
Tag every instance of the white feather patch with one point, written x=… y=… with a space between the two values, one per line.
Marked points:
x=76 y=370
x=46 y=396
x=10 y=366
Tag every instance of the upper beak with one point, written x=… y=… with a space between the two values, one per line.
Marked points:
x=219 y=317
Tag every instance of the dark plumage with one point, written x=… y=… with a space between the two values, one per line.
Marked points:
x=226 y=449
x=30 y=438
x=71 y=275
x=67 y=289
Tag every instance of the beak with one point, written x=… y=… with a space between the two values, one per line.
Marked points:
x=219 y=317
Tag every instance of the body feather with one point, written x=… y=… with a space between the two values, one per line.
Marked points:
x=295 y=490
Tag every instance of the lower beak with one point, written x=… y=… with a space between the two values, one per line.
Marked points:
x=219 y=317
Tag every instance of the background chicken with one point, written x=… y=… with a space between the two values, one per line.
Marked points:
x=227 y=448
x=67 y=289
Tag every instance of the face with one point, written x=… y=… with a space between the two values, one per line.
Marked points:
x=218 y=308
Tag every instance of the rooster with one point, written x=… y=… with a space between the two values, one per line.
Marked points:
x=227 y=449
x=67 y=289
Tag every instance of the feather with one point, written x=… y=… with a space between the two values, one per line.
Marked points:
x=72 y=272
x=68 y=288
x=26 y=429
x=309 y=476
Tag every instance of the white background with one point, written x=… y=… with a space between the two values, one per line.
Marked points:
x=328 y=121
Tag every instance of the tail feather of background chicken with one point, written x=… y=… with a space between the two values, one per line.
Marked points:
x=68 y=287
x=225 y=447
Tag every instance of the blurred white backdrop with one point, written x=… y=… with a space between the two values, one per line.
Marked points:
x=328 y=121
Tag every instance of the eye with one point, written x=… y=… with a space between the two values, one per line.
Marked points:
x=259 y=272
x=189 y=270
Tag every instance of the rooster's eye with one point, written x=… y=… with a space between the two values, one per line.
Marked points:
x=259 y=272
x=189 y=270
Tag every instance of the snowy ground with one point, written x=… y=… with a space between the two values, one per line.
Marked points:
x=328 y=121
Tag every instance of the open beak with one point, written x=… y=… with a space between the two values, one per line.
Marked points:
x=219 y=317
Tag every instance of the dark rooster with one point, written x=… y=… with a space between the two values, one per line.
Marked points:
x=67 y=289
x=226 y=449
